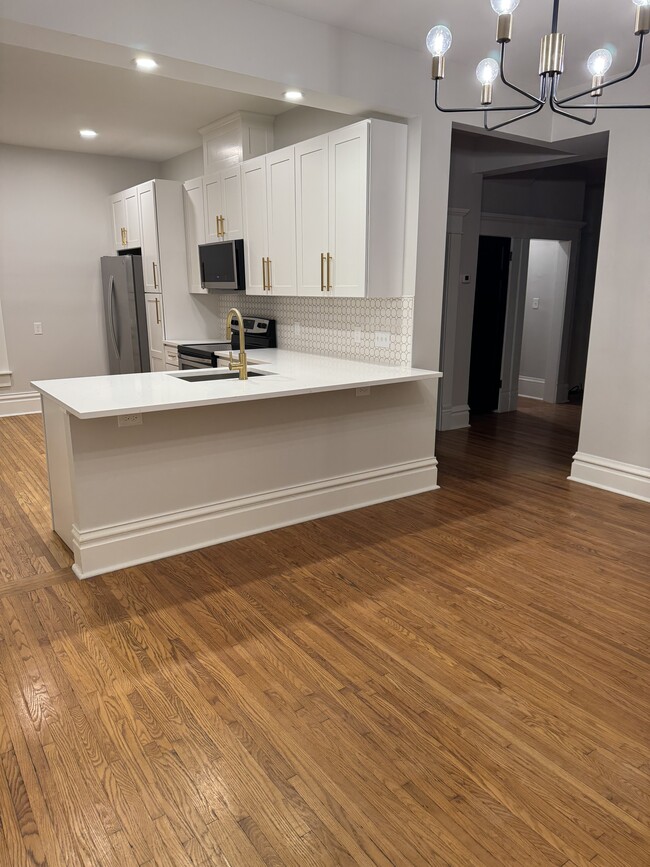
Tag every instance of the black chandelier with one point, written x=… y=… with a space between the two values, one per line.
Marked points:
x=551 y=67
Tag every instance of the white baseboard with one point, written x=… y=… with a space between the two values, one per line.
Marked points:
x=621 y=478
x=507 y=401
x=106 y=549
x=531 y=387
x=20 y=403
x=454 y=417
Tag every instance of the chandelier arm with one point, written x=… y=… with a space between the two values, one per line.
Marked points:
x=617 y=80
x=482 y=108
x=555 y=107
x=512 y=119
x=509 y=84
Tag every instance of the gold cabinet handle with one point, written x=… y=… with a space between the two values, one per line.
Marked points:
x=322 y=272
x=157 y=311
x=216 y=219
x=155 y=280
x=263 y=273
x=124 y=236
x=329 y=273
x=268 y=275
x=223 y=226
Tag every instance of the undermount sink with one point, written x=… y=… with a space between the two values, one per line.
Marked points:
x=216 y=375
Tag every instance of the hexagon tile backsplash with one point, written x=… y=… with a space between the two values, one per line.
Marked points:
x=341 y=327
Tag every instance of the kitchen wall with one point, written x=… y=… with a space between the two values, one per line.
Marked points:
x=54 y=227
x=182 y=167
x=302 y=123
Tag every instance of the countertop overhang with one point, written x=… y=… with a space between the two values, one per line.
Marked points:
x=290 y=373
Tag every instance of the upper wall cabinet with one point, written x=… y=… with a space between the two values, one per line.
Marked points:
x=223 y=205
x=345 y=232
x=126 y=219
x=268 y=194
x=231 y=140
x=194 y=231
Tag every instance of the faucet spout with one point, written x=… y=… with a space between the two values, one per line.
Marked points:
x=241 y=365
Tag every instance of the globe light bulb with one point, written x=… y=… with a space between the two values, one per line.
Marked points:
x=439 y=40
x=506 y=7
x=599 y=61
x=487 y=71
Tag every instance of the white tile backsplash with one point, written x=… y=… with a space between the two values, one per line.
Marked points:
x=333 y=326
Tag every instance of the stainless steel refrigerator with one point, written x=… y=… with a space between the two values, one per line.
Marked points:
x=125 y=314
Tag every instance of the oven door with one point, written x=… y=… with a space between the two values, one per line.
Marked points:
x=185 y=362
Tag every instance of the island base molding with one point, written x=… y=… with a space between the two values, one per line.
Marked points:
x=609 y=475
x=107 y=549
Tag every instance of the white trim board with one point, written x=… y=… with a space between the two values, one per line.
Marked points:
x=621 y=478
x=106 y=549
x=531 y=387
x=454 y=417
x=20 y=403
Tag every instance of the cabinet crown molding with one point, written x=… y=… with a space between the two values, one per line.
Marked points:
x=234 y=138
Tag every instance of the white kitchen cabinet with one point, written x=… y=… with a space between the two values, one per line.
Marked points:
x=268 y=193
x=155 y=330
x=351 y=211
x=126 y=219
x=194 y=232
x=223 y=205
x=149 y=231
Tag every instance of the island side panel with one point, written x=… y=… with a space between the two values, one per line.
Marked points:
x=194 y=477
x=60 y=468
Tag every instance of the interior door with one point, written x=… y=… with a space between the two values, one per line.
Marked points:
x=492 y=274
x=213 y=207
x=281 y=204
x=348 y=210
x=312 y=214
x=149 y=234
x=255 y=224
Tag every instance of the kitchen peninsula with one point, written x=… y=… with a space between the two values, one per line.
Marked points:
x=144 y=466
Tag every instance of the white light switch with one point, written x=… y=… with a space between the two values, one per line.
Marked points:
x=38 y=328
x=535 y=303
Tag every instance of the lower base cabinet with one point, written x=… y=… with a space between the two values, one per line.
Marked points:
x=155 y=330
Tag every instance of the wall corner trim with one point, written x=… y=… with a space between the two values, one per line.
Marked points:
x=20 y=403
x=5 y=379
x=455 y=217
x=454 y=417
x=609 y=475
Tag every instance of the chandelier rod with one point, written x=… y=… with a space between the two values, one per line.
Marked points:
x=617 y=80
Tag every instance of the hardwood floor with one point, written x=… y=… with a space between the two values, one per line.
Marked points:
x=457 y=678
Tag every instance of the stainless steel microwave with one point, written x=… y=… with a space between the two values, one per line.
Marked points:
x=222 y=265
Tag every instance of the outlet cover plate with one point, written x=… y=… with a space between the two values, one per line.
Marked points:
x=382 y=339
x=130 y=420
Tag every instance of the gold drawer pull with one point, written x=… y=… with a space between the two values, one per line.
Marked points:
x=322 y=272
x=268 y=272
x=157 y=311
x=155 y=281
x=329 y=273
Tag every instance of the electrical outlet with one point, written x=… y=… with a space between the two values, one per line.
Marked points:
x=38 y=328
x=357 y=337
x=296 y=329
x=382 y=339
x=129 y=420
x=535 y=303
x=363 y=392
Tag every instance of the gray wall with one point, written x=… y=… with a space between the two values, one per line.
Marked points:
x=183 y=167
x=54 y=226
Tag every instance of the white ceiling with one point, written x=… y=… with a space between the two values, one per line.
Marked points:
x=588 y=24
x=45 y=99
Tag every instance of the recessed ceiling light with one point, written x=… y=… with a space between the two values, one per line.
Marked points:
x=87 y=133
x=146 y=64
x=293 y=95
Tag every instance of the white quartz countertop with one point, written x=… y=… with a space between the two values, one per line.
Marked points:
x=286 y=373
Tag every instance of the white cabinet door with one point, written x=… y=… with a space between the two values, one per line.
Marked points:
x=213 y=203
x=312 y=214
x=194 y=231
x=255 y=224
x=348 y=210
x=149 y=235
x=118 y=213
x=132 y=217
x=232 y=224
x=155 y=329
x=281 y=208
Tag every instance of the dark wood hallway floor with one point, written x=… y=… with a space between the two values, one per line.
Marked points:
x=457 y=678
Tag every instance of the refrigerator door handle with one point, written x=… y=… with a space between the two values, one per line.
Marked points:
x=111 y=297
